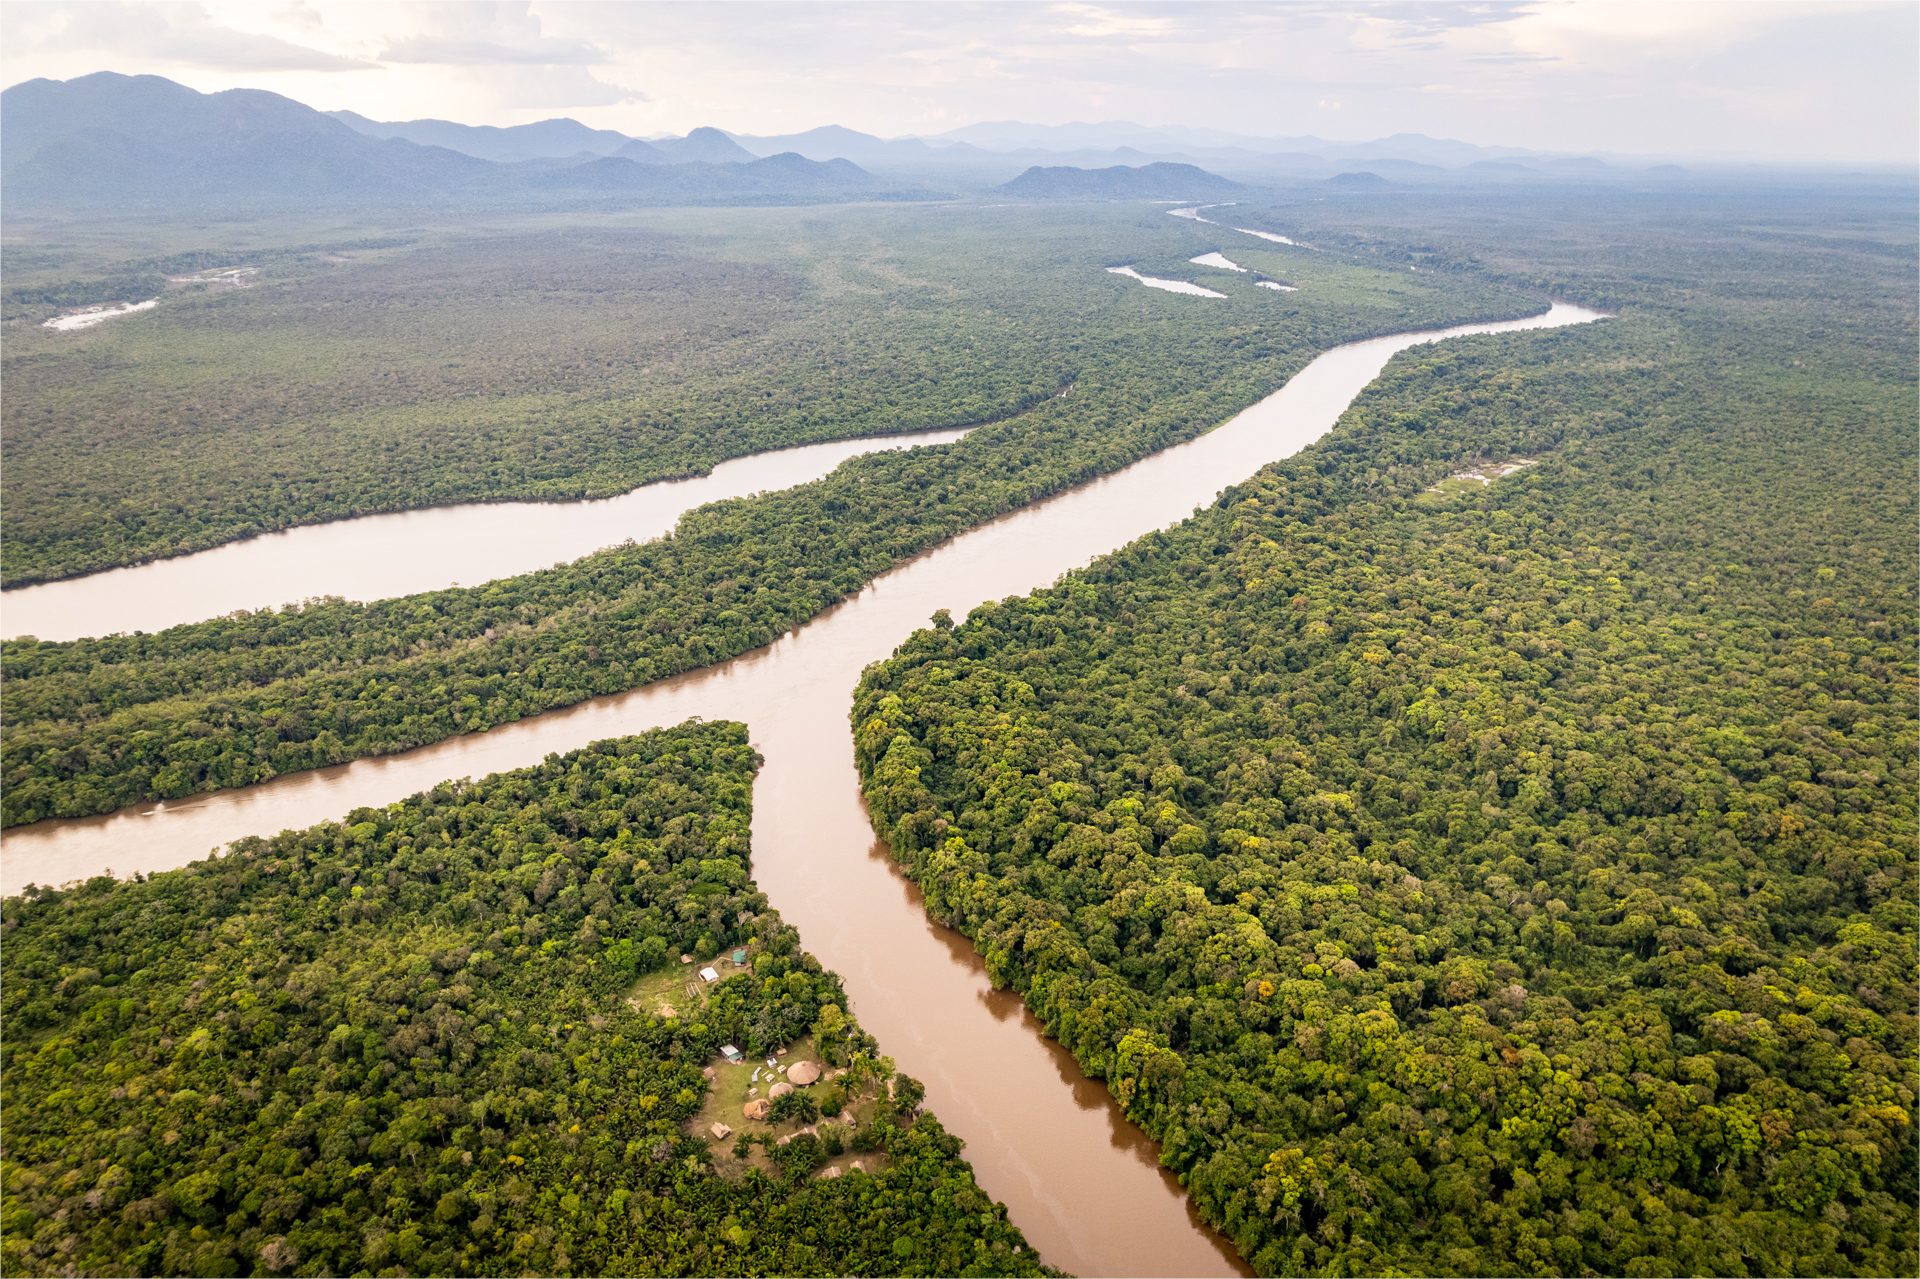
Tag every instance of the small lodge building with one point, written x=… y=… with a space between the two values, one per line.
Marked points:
x=733 y=1055
x=709 y=975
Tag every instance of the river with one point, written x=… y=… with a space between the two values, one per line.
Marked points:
x=1082 y=1182
x=438 y=546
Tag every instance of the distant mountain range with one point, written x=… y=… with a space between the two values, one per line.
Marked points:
x=110 y=142
x=706 y=146
x=546 y=140
x=1012 y=135
x=1148 y=182
x=119 y=140
x=1007 y=145
x=756 y=182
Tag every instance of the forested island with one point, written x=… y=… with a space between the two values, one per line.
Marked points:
x=407 y=1042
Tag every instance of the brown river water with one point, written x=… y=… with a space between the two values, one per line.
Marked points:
x=436 y=546
x=1081 y=1181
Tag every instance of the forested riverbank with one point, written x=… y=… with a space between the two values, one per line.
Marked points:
x=406 y=1040
x=1517 y=880
x=514 y=361
x=445 y=368
x=95 y=725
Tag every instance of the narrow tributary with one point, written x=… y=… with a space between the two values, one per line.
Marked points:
x=379 y=557
x=1082 y=1182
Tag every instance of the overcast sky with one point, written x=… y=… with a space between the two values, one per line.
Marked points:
x=1834 y=80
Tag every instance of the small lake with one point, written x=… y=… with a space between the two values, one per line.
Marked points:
x=1220 y=260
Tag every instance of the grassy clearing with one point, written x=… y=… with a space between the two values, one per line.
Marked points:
x=1474 y=480
x=735 y=1086
x=676 y=990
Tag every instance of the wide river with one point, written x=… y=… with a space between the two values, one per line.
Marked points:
x=1081 y=1181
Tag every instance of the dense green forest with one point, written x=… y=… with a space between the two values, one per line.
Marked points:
x=1520 y=881
x=562 y=362
x=1517 y=879
x=95 y=725
x=403 y=1044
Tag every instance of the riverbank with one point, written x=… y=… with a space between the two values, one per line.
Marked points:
x=1082 y=1182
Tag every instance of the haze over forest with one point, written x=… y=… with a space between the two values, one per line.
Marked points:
x=1806 y=82
x=1164 y=639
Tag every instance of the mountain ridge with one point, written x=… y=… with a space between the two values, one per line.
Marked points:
x=1120 y=182
x=706 y=145
x=544 y=139
x=112 y=142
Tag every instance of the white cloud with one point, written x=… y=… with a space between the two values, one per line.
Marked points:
x=476 y=52
x=171 y=35
x=548 y=89
x=1834 y=79
x=1129 y=22
x=472 y=34
x=302 y=16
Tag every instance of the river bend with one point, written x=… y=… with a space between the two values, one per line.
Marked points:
x=381 y=557
x=1082 y=1182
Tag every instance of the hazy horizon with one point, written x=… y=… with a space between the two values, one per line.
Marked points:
x=1790 y=82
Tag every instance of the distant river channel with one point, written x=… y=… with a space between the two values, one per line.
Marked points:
x=1081 y=1181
